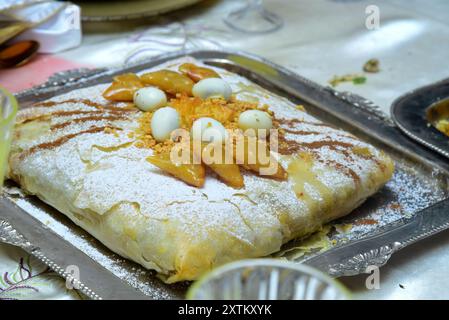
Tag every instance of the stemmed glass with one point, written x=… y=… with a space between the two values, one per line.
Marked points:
x=8 y=110
x=254 y=18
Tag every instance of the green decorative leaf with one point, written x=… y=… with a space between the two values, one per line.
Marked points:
x=359 y=80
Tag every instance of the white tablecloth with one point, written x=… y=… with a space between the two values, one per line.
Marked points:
x=320 y=39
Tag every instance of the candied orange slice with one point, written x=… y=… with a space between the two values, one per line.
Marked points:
x=229 y=174
x=197 y=73
x=192 y=174
x=254 y=155
x=227 y=171
x=169 y=81
x=123 y=87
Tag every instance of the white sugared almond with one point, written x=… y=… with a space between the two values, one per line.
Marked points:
x=256 y=120
x=209 y=130
x=164 y=122
x=212 y=88
x=150 y=99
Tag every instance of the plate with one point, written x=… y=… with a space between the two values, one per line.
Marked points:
x=409 y=114
x=114 y=10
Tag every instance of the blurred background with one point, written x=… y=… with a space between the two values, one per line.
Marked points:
x=319 y=39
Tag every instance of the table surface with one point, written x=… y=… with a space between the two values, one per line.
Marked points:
x=320 y=39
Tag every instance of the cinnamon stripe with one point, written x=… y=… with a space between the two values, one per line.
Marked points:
x=291 y=147
x=85 y=119
x=57 y=114
x=291 y=122
x=113 y=107
x=301 y=132
x=62 y=140
x=343 y=169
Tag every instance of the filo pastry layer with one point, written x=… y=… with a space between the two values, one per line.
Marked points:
x=77 y=153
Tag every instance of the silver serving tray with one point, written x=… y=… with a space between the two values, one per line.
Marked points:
x=413 y=205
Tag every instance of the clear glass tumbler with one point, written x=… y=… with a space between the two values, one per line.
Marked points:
x=266 y=279
x=8 y=110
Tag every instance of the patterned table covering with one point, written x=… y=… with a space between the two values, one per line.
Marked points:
x=320 y=39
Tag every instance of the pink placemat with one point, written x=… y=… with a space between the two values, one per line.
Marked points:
x=35 y=72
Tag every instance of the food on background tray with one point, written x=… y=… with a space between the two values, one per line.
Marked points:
x=443 y=126
x=104 y=157
x=438 y=115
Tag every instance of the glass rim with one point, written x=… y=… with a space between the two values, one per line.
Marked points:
x=266 y=262
x=14 y=105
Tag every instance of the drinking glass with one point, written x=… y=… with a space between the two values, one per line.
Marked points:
x=254 y=18
x=8 y=110
x=266 y=279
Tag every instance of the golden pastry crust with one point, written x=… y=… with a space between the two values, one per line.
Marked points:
x=78 y=153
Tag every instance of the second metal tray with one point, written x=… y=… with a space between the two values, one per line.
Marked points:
x=409 y=114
